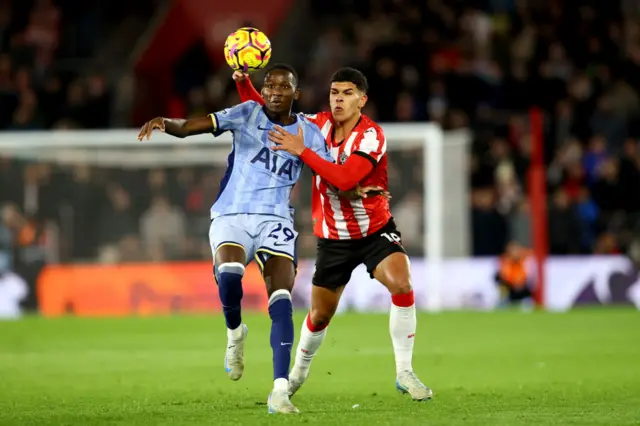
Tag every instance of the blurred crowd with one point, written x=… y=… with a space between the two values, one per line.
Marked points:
x=483 y=64
x=41 y=43
x=478 y=64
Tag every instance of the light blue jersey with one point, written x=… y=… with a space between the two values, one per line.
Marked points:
x=259 y=180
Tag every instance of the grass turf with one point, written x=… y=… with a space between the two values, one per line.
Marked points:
x=504 y=368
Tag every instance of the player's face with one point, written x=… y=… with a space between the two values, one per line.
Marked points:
x=346 y=101
x=279 y=91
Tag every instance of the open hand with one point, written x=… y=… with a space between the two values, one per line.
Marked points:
x=285 y=141
x=150 y=126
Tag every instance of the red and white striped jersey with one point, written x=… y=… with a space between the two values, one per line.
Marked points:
x=340 y=219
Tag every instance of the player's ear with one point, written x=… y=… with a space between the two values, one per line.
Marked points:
x=363 y=100
x=296 y=95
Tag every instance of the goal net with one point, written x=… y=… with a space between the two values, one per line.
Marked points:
x=105 y=197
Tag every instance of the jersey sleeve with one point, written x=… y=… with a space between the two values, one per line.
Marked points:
x=316 y=142
x=231 y=118
x=344 y=177
x=372 y=145
x=247 y=92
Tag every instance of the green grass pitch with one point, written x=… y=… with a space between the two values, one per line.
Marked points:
x=505 y=368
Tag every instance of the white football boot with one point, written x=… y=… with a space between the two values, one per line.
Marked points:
x=279 y=403
x=234 y=356
x=408 y=382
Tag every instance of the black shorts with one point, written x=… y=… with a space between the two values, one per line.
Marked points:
x=336 y=259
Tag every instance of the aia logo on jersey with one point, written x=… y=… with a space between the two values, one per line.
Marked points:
x=343 y=158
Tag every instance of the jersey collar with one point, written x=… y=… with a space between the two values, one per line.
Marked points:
x=333 y=131
x=295 y=118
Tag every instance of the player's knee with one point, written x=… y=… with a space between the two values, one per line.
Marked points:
x=320 y=318
x=230 y=253
x=402 y=294
x=279 y=274
x=401 y=285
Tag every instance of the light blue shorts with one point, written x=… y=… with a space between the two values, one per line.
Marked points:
x=260 y=235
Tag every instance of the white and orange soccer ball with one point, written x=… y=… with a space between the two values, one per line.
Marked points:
x=247 y=49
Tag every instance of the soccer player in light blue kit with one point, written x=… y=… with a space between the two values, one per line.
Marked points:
x=252 y=218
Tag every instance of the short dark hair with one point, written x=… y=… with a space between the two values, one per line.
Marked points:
x=351 y=75
x=284 y=67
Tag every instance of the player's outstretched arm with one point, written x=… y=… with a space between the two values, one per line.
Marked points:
x=245 y=88
x=345 y=177
x=180 y=128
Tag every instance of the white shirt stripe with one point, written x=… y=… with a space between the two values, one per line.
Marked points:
x=348 y=148
x=370 y=143
x=325 y=227
x=326 y=129
x=338 y=216
x=360 y=214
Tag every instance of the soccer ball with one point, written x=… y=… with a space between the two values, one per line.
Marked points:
x=247 y=50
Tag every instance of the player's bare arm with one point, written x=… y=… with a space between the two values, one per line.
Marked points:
x=178 y=127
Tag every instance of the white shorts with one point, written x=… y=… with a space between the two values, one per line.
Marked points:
x=260 y=235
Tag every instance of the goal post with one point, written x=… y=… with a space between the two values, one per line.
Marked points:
x=435 y=161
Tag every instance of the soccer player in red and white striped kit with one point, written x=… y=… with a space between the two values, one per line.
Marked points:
x=352 y=226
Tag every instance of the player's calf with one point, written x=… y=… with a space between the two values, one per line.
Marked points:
x=402 y=326
x=395 y=274
x=281 y=313
x=311 y=337
x=279 y=275
x=229 y=279
x=324 y=302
